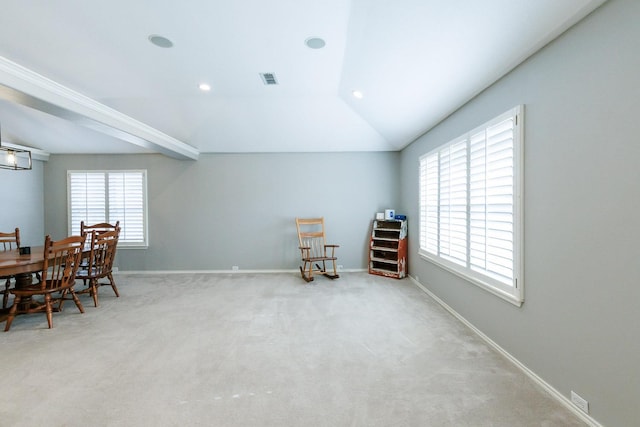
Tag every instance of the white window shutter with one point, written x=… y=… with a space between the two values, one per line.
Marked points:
x=453 y=202
x=470 y=215
x=429 y=172
x=109 y=196
x=126 y=204
x=87 y=199
x=500 y=200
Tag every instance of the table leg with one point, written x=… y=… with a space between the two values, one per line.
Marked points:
x=23 y=280
x=27 y=303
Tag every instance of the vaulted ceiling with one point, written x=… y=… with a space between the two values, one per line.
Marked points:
x=81 y=76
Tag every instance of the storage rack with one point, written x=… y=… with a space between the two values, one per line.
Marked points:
x=388 y=248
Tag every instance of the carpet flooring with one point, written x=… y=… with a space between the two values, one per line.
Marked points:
x=262 y=350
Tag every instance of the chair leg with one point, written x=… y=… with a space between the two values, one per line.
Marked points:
x=77 y=301
x=310 y=271
x=303 y=273
x=335 y=270
x=49 y=310
x=61 y=300
x=12 y=312
x=307 y=276
x=93 y=285
x=113 y=284
x=329 y=275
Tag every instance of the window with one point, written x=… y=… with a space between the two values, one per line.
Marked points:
x=470 y=206
x=110 y=196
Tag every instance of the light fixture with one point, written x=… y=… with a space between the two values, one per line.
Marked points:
x=204 y=87
x=357 y=94
x=14 y=158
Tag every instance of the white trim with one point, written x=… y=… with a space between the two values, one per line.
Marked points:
x=134 y=272
x=562 y=399
x=135 y=246
x=475 y=280
x=34 y=90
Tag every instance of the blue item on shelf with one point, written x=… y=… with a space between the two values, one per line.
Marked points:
x=402 y=217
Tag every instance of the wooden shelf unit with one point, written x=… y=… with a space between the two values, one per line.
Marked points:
x=388 y=248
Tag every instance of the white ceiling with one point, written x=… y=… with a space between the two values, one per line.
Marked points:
x=93 y=83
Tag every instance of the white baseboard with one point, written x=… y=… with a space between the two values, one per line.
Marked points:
x=344 y=270
x=566 y=402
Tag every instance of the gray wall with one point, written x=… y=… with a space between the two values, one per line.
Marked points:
x=239 y=209
x=22 y=203
x=578 y=328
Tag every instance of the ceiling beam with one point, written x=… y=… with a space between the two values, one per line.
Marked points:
x=23 y=86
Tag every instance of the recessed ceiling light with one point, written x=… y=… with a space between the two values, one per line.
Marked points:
x=204 y=87
x=357 y=94
x=314 y=43
x=160 y=41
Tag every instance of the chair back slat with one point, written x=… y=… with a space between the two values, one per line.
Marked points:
x=100 y=228
x=9 y=241
x=61 y=261
x=311 y=235
x=102 y=253
x=110 y=250
x=316 y=245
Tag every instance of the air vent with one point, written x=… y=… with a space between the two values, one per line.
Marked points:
x=269 y=78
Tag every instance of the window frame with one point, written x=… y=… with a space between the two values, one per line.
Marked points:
x=122 y=242
x=513 y=292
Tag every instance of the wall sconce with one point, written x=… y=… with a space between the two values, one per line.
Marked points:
x=14 y=158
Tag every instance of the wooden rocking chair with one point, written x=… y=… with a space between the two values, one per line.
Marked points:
x=314 y=249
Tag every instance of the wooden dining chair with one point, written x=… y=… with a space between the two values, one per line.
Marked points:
x=99 y=263
x=61 y=262
x=98 y=228
x=8 y=242
x=315 y=252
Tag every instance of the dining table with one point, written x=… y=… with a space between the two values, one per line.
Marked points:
x=21 y=267
x=12 y=263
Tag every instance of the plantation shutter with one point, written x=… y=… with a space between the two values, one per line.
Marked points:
x=453 y=202
x=126 y=204
x=491 y=186
x=109 y=196
x=470 y=206
x=87 y=199
x=430 y=183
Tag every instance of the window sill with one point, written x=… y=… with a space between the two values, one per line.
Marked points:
x=133 y=246
x=511 y=298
